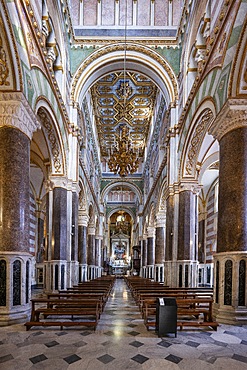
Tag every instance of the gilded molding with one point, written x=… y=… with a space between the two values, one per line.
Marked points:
x=4 y=70
x=195 y=144
x=232 y=116
x=51 y=135
x=15 y=112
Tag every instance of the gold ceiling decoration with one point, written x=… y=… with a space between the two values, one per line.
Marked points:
x=126 y=108
x=110 y=112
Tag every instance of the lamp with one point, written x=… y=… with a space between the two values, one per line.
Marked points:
x=124 y=155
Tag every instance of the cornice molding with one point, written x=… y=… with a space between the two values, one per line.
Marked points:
x=15 y=112
x=232 y=116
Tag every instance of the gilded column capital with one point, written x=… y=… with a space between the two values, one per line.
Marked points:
x=82 y=218
x=91 y=229
x=76 y=188
x=160 y=220
x=15 y=112
x=232 y=116
x=194 y=187
x=59 y=182
x=151 y=231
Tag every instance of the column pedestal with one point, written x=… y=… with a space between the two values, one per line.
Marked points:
x=159 y=273
x=56 y=275
x=15 y=291
x=230 y=289
x=181 y=274
x=83 y=272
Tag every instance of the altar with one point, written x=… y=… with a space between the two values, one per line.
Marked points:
x=120 y=254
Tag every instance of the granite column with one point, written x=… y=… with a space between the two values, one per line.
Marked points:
x=17 y=124
x=230 y=260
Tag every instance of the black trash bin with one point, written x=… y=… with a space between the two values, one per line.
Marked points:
x=166 y=316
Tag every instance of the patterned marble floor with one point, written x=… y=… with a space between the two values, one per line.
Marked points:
x=121 y=341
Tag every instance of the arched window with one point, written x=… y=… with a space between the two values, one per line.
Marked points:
x=186 y=277
x=242 y=283
x=56 y=277
x=228 y=283
x=62 y=276
x=180 y=277
x=217 y=282
x=2 y=283
x=27 y=281
x=16 y=283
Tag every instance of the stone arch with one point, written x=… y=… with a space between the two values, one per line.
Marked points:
x=161 y=200
x=139 y=58
x=196 y=136
x=112 y=185
x=11 y=71
x=120 y=208
x=51 y=132
x=83 y=199
x=151 y=217
x=91 y=215
x=238 y=78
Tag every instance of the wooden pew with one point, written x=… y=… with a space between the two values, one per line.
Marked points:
x=87 y=310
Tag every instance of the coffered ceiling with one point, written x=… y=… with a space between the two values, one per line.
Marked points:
x=112 y=110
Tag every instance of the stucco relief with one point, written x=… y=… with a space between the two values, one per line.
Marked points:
x=6 y=65
x=55 y=149
x=232 y=116
x=16 y=112
x=195 y=143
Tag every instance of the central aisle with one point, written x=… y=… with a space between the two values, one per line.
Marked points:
x=121 y=315
x=122 y=342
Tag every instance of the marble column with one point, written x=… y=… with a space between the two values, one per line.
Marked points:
x=171 y=236
x=150 y=252
x=39 y=267
x=40 y=237
x=144 y=256
x=17 y=124
x=230 y=289
x=74 y=263
x=187 y=236
x=58 y=241
x=91 y=252
x=159 y=248
x=98 y=246
x=82 y=246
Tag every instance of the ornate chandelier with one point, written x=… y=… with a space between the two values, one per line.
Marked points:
x=124 y=157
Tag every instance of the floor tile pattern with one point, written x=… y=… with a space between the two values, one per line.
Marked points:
x=121 y=341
